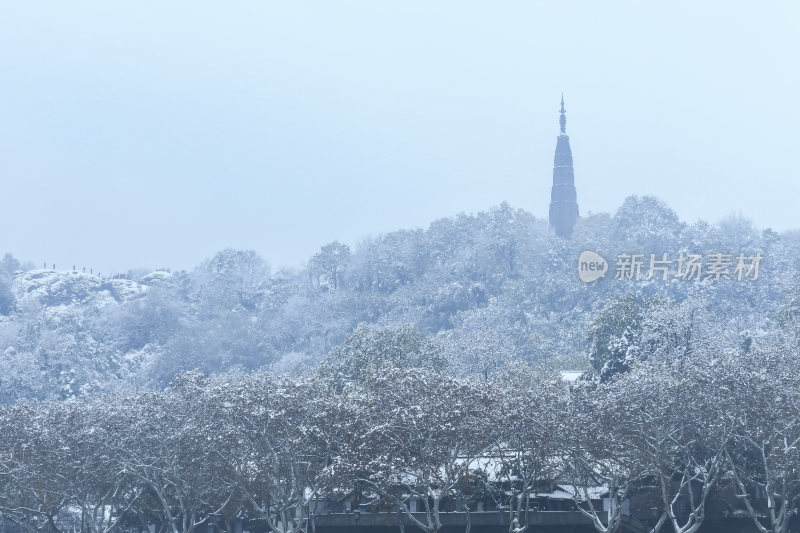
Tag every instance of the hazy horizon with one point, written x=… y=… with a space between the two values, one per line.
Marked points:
x=155 y=135
x=314 y=249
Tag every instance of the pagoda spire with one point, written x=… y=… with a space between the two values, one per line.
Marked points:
x=563 y=198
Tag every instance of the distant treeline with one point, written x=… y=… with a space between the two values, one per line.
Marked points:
x=487 y=288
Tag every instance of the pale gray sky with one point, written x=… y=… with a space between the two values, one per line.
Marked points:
x=156 y=133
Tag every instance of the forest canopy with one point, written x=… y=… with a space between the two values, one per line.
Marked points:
x=471 y=292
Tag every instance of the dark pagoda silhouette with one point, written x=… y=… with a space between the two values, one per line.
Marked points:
x=563 y=198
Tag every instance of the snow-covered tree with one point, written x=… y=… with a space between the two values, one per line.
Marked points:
x=327 y=267
x=763 y=390
x=676 y=426
x=417 y=437
x=530 y=448
x=368 y=349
